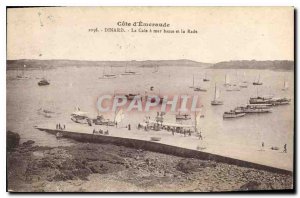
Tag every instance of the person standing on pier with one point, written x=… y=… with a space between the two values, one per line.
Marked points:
x=129 y=127
x=262 y=146
x=284 y=148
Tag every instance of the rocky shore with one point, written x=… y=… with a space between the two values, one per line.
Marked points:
x=86 y=167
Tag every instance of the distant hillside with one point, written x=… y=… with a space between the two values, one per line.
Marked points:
x=48 y=64
x=253 y=64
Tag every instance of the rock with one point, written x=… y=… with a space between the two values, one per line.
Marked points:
x=252 y=185
x=28 y=143
x=12 y=140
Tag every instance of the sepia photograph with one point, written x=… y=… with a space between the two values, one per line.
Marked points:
x=150 y=99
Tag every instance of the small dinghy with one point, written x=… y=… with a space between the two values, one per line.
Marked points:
x=155 y=139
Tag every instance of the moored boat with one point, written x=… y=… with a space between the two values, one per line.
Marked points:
x=254 y=108
x=227 y=81
x=205 y=79
x=270 y=100
x=108 y=76
x=257 y=82
x=80 y=117
x=233 y=88
x=100 y=120
x=285 y=85
x=200 y=89
x=216 y=100
x=43 y=82
x=233 y=114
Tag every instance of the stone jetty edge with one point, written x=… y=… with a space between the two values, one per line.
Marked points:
x=163 y=148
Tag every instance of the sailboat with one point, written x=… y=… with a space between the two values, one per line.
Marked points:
x=193 y=82
x=244 y=83
x=227 y=81
x=184 y=116
x=22 y=75
x=44 y=81
x=285 y=85
x=231 y=86
x=216 y=97
x=244 y=77
x=119 y=116
x=126 y=72
x=156 y=69
x=205 y=79
x=199 y=88
x=108 y=76
x=258 y=82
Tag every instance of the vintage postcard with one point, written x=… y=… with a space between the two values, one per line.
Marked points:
x=150 y=99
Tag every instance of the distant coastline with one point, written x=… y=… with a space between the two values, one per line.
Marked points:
x=234 y=64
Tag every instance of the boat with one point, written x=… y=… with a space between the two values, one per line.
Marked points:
x=216 y=97
x=244 y=82
x=100 y=120
x=184 y=116
x=233 y=87
x=260 y=100
x=108 y=76
x=45 y=113
x=258 y=82
x=193 y=82
x=127 y=73
x=205 y=79
x=131 y=96
x=270 y=100
x=279 y=101
x=80 y=117
x=156 y=69
x=200 y=89
x=43 y=82
x=156 y=139
x=233 y=114
x=254 y=108
x=244 y=77
x=227 y=81
x=21 y=76
x=244 y=85
x=285 y=85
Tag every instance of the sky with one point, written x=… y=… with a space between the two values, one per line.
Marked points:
x=223 y=33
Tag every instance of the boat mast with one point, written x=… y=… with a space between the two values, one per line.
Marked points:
x=179 y=106
x=193 y=81
x=23 y=71
x=215 y=91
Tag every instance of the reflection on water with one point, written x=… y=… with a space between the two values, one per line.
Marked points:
x=79 y=87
